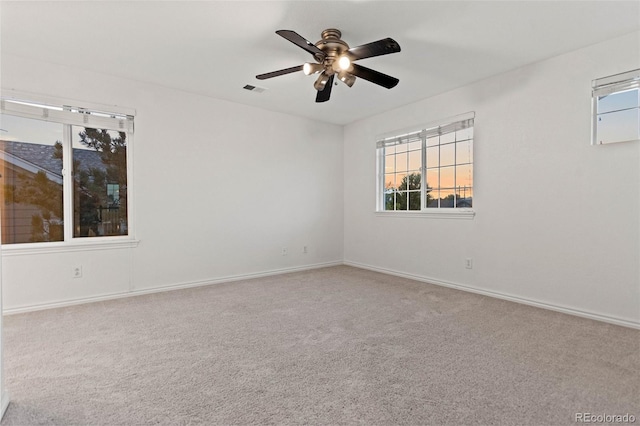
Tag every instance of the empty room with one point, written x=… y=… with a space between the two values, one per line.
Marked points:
x=318 y=212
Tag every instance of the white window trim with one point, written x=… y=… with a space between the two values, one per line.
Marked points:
x=445 y=213
x=436 y=213
x=71 y=243
x=12 y=94
x=104 y=243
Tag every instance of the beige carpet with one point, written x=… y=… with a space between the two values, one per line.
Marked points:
x=330 y=346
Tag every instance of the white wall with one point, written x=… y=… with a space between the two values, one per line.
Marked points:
x=557 y=219
x=220 y=189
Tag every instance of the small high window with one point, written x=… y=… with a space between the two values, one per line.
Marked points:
x=616 y=108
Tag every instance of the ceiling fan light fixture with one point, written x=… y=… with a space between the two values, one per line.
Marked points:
x=347 y=78
x=321 y=82
x=341 y=64
x=344 y=63
x=309 y=68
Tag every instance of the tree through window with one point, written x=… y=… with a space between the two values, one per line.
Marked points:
x=100 y=182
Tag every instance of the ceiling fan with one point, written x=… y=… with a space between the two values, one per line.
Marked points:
x=334 y=57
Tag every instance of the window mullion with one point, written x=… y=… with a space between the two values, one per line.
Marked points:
x=130 y=186
x=423 y=172
x=67 y=182
x=381 y=170
x=455 y=171
x=439 y=169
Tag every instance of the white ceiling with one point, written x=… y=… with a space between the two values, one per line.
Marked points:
x=214 y=48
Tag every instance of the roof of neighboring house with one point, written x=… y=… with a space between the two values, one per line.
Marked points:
x=42 y=156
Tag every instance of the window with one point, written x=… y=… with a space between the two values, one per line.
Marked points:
x=616 y=108
x=64 y=173
x=427 y=169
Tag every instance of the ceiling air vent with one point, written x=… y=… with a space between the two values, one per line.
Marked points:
x=254 y=88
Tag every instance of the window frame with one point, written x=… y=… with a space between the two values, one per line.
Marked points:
x=613 y=84
x=17 y=104
x=433 y=212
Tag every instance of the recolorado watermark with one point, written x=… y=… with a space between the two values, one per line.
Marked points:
x=604 y=418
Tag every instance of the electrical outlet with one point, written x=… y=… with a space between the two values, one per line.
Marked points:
x=285 y=251
x=468 y=263
x=76 y=271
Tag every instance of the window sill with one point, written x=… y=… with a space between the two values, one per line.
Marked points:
x=65 y=247
x=437 y=214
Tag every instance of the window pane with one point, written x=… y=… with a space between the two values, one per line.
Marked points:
x=432 y=178
x=415 y=160
x=433 y=157
x=618 y=101
x=464 y=175
x=447 y=198
x=433 y=141
x=414 y=180
x=401 y=181
x=446 y=177
x=464 y=197
x=100 y=182
x=447 y=138
x=448 y=154
x=401 y=162
x=464 y=152
x=464 y=134
x=389 y=181
x=414 y=200
x=618 y=126
x=433 y=198
x=390 y=150
x=413 y=146
x=31 y=171
x=401 y=147
x=401 y=200
x=389 y=200
x=389 y=163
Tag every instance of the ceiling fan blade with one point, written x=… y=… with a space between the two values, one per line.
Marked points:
x=376 y=48
x=324 y=94
x=279 y=72
x=373 y=76
x=302 y=42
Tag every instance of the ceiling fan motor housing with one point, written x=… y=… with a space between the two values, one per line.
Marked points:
x=332 y=46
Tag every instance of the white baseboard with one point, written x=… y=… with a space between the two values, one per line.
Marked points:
x=179 y=286
x=499 y=295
